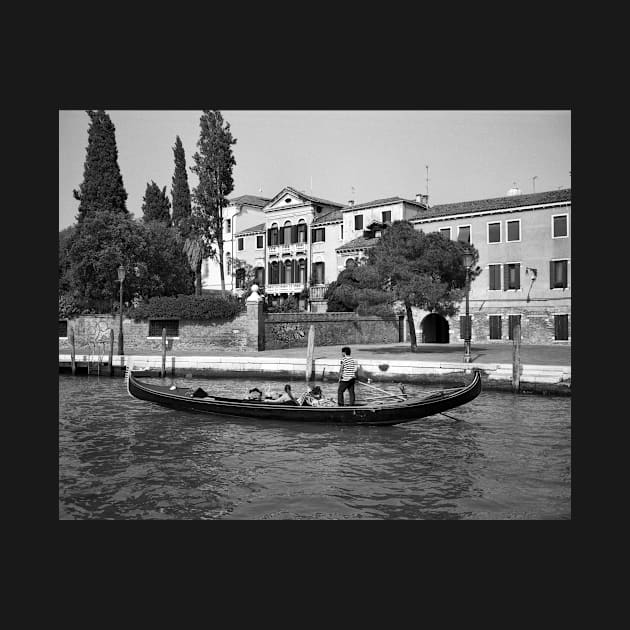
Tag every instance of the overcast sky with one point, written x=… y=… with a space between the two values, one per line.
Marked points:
x=470 y=154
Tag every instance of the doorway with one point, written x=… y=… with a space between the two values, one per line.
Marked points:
x=434 y=329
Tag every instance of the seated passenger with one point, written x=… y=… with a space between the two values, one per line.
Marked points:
x=286 y=397
x=254 y=394
x=315 y=398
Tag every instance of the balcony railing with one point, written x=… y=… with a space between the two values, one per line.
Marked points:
x=317 y=291
x=285 y=287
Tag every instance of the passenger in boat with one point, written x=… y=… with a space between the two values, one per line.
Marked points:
x=254 y=394
x=315 y=398
x=347 y=375
x=286 y=397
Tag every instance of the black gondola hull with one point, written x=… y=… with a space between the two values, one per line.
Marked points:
x=385 y=414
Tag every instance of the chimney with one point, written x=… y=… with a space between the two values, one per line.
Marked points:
x=351 y=202
x=424 y=199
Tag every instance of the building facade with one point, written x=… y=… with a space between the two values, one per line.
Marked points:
x=298 y=244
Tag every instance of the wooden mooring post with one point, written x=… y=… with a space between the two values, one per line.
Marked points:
x=163 y=371
x=111 y=352
x=309 y=353
x=516 y=358
x=72 y=351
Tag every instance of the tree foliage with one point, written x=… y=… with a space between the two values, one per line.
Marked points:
x=189 y=307
x=156 y=205
x=423 y=270
x=180 y=192
x=102 y=187
x=214 y=162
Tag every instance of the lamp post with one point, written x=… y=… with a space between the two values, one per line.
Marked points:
x=468 y=261
x=121 y=278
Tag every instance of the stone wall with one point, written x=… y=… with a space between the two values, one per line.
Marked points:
x=92 y=335
x=290 y=330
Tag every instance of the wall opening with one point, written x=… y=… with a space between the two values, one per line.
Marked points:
x=434 y=329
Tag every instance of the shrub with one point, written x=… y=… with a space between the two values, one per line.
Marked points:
x=189 y=307
x=68 y=307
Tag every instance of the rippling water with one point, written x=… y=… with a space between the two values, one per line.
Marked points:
x=122 y=458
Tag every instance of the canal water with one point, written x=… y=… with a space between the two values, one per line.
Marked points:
x=509 y=457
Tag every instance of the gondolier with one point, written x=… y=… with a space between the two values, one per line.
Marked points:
x=347 y=375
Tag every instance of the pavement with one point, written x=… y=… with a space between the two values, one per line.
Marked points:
x=434 y=352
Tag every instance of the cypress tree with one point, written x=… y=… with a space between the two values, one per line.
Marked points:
x=156 y=206
x=180 y=190
x=102 y=186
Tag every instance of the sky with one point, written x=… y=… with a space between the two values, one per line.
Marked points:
x=337 y=154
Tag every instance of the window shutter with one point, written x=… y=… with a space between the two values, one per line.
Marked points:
x=305 y=230
x=517 y=269
x=294 y=231
x=269 y=237
x=323 y=236
x=552 y=280
x=506 y=277
x=281 y=236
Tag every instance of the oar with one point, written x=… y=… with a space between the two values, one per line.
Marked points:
x=378 y=389
x=451 y=417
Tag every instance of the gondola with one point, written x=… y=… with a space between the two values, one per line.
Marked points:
x=367 y=413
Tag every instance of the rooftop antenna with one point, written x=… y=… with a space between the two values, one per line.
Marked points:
x=427 y=167
x=311 y=184
x=534 y=182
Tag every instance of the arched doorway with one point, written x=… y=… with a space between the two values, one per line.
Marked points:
x=434 y=329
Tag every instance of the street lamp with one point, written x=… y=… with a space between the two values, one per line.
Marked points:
x=121 y=278
x=468 y=261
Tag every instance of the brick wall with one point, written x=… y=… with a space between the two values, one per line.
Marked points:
x=92 y=335
x=289 y=330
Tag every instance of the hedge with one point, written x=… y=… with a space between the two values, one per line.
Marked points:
x=189 y=307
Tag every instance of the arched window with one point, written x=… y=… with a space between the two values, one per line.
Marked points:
x=288 y=271
x=285 y=236
x=274 y=273
x=350 y=263
x=302 y=271
x=272 y=234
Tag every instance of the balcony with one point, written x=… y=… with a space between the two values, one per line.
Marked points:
x=317 y=291
x=286 y=287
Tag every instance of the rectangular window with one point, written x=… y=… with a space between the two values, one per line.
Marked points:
x=561 y=327
x=512 y=276
x=240 y=244
x=463 y=233
x=514 y=230
x=559 y=226
x=495 y=277
x=319 y=235
x=463 y=321
x=341 y=232
x=260 y=276
x=63 y=328
x=228 y=225
x=358 y=222
x=513 y=320
x=318 y=273
x=446 y=232
x=494 y=232
x=559 y=274
x=495 y=326
x=156 y=325
x=387 y=216
x=259 y=242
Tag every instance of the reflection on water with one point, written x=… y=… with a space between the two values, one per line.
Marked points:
x=122 y=458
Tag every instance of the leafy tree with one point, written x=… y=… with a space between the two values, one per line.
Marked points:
x=102 y=241
x=156 y=206
x=102 y=187
x=357 y=289
x=213 y=165
x=180 y=191
x=65 y=238
x=163 y=270
x=423 y=270
x=196 y=246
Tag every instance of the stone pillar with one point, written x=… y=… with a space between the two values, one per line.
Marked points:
x=256 y=317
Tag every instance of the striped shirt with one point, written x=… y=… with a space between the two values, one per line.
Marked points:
x=348 y=368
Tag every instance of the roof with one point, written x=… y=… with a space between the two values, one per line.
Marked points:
x=255 y=229
x=383 y=202
x=314 y=199
x=358 y=243
x=327 y=217
x=496 y=203
x=251 y=200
